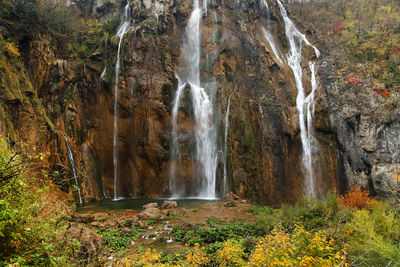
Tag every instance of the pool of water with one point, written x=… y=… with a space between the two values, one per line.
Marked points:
x=136 y=203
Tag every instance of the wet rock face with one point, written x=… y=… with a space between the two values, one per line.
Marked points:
x=264 y=147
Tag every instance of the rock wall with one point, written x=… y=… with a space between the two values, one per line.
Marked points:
x=264 y=146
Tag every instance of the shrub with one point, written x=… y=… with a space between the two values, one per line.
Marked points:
x=301 y=248
x=231 y=254
x=27 y=238
x=374 y=236
x=117 y=241
x=355 y=199
x=197 y=256
x=221 y=233
x=213 y=221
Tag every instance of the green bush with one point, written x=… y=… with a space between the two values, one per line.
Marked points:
x=25 y=237
x=203 y=235
x=118 y=241
x=213 y=221
x=374 y=236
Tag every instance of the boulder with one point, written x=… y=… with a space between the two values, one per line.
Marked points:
x=150 y=214
x=169 y=204
x=150 y=205
x=141 y=224
x=231 y=197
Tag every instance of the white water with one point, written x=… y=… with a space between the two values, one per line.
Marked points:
x=71 y=160
x=175 y=142
x=265 y=5
x=205 y=133
x=205 y=6
x=303 y=103
x=122 y=30
x=225 y=181
x=271 y=43
x=103 y=73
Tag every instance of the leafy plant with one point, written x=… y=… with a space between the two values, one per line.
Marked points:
x=355 y=199
x=213 y=221
x=117 y=241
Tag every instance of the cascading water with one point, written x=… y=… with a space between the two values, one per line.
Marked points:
x=205 y=6
x=175 y=190
x=265 y=5
x=271 y=43
x=103 y=73
x=205 y=133
x=71 y=160
x=225 y=181
x=122 y=30
x=294 y=58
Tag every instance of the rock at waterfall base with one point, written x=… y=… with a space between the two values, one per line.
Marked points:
x=169 y=204
x=150 y=214
x=150 y=205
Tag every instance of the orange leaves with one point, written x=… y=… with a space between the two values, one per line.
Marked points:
x=383 y=92
x=354 y=80
x=355 y=199
x=338 y=27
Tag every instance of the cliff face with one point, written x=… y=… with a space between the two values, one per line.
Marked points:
x=264 y=147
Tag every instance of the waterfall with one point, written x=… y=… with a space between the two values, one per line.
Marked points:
x=103 y=73
x=122 y=30
x=205 y=132
x=205 y=6
x=303 y=103
x=271 y=43
x=71 y=160
x=265 y=5
x=225 y=182
x=175 y=142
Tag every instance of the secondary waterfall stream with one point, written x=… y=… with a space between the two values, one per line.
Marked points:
x=303 y=103
x=225 y=181
x=271 y=43
x=205 y=132
x=71 y=160
x=122 y=30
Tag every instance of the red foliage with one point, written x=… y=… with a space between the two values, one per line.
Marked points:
x=383 y=92
x=354 y=80
x=355 y=199
x=395 y=51
x=338 y=27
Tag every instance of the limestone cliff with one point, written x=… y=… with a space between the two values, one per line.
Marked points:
x=358 y=142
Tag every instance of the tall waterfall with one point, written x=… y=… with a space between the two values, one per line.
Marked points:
x=71 y=160
x=205 y=132
x=122 y=30
x=225 y=181
x=303 y=103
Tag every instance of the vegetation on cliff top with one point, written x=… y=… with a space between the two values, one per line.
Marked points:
x=368 y=36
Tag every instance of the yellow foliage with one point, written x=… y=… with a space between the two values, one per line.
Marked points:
x=301 y=248
x=231 y=254
x=149 y=258
x=197 y=257
x=11 y=49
